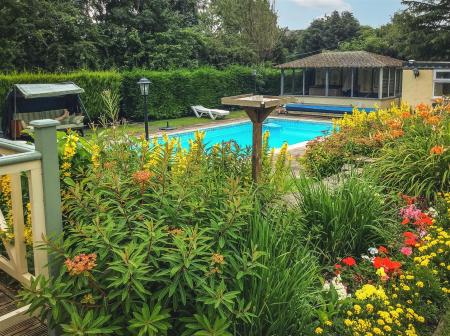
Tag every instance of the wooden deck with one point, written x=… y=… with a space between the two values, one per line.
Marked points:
x=27 y=327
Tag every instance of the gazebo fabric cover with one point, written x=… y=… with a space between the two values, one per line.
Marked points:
x=343 y=59
x=28 y=91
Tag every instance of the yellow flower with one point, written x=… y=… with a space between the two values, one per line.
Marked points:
x=318 y=330
x=377 y=331
x=419 y=284
x=348 y=322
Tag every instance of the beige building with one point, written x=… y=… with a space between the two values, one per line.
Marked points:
x=423 y=82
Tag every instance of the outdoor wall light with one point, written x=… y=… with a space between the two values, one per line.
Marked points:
x=144 y=86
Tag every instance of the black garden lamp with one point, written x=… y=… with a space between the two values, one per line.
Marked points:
x=255 y=75
x=144 y=86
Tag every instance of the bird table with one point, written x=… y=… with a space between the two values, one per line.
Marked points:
x=258 y=108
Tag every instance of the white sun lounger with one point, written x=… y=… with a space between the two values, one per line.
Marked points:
x=201 y=111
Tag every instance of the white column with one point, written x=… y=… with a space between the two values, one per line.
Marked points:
x=282 y=83
x=389 y=82
x=395 y=82
x=380 y=85
x=304 y=79
x=353 y=81
x=293 y=82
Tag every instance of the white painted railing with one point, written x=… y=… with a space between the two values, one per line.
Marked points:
x=40 y=166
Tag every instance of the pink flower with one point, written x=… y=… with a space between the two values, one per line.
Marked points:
x=407 y=251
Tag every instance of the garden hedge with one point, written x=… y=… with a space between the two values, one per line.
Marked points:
x=171 y=92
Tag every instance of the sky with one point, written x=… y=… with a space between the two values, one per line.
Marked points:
x=298 y=14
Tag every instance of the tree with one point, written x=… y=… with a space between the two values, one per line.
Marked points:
x=46 y=34
x=254 y=22
x=329 y=32
x=429 y=14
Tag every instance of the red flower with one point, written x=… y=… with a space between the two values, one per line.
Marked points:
x=383 y=250
x=349 y=261
x=410 y=238
x=387 y=264
x=423 y=220
x=405 y=221
x=337 y=269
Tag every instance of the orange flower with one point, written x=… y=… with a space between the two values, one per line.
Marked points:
x=378 y=136
x=218 y=259
x=423 y=110
x=406 y=115
x=81 y=263
x=142 y=176
x=438 y=150
x=433 y=120
x=394 y=124
x=176 y=231
x=395 y=133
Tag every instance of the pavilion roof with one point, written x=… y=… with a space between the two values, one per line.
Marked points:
x=343 y=59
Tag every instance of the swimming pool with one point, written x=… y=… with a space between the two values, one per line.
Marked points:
x=281 y=130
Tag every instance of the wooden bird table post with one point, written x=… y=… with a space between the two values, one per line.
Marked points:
x=258 y=108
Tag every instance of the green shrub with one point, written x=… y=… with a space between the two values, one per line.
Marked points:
x=93 y=83
x=156 y=237
x=409 y=164
x=343 y=219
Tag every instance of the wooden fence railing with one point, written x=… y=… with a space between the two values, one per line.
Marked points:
x=39 y=164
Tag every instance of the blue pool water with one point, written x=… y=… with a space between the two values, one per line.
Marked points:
x=281 y=130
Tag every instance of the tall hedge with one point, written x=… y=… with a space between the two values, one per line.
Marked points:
x=171 y=92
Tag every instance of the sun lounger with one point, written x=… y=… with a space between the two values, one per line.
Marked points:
x=201 y=111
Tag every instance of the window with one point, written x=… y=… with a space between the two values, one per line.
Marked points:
x=441 y=83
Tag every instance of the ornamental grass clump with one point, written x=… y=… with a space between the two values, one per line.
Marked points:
x=343 y=219
x=157 y=240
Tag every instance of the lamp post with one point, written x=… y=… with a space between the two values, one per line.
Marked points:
x=144 y=85
x=254 y=74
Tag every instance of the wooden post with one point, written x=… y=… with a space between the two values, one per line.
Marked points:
x=326 y=82
x=282 y=83
x=257 y=116
x=45 y=143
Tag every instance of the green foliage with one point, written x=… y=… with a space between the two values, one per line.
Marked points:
x=343 y=219
x=283 y=293
x=409 y=166
x=156 y=240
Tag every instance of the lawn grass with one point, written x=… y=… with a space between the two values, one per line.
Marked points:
x=138 y=128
